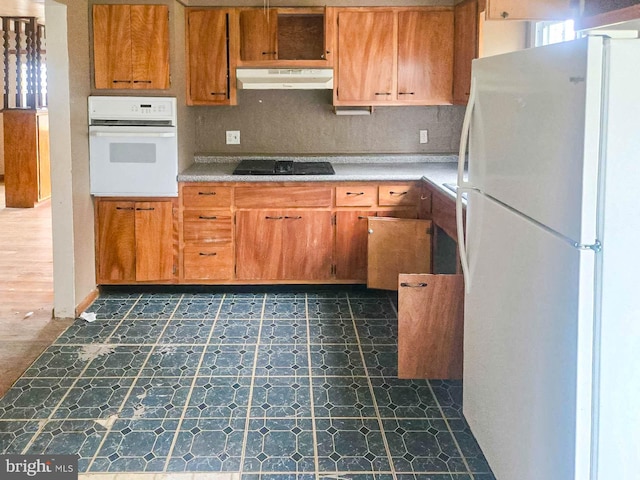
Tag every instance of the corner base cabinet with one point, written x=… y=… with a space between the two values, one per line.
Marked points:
x=135 y=241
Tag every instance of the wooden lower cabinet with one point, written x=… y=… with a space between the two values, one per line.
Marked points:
x=351 y=244
x=396 y=246
x=284 y=245
x=430 y=326
x=27 y=167
x=135 y=241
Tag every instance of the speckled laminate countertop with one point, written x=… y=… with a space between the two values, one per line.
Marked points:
x=439 y=169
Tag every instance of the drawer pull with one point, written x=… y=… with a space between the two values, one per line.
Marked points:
x=362 y=217
x=422 y=197
x=142 y=81
x=121 y=81
x=273 y=218
x=206 y=193
x=125 y=208
x=355 y=194
x=297 y=217
x=406 y=93
x=413 y=285
x=269 y=53
x=203 y=217
x=219 y=93
x=208 y=254
x=145 y=209
x=399 y=194
x=383 y=93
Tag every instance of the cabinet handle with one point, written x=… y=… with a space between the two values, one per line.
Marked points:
x=383 y=93
x=142 y=81
x=355 y=194
x=362 y=217
x=124 y=208
x=206 y=193
x=269 y=53
x=422 y=197
x=145 y=209
x=219 y=93
x=208 y=254
x=203 y=217
x=273 y=218
x=121 y=81
x=298 y=217
x=407 y=93
x=397 y=193
x=413 y=285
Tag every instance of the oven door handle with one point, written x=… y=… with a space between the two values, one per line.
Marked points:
x=134 y=134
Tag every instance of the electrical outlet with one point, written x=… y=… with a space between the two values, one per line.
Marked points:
x=233 y=137
x=424 y=136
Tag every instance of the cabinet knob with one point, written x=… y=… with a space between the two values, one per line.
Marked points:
x=504 y=14
x=370 y=231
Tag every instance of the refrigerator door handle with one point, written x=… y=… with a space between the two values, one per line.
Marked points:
x=464 y=138
x=463 y=186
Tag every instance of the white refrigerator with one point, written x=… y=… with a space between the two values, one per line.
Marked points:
x=551 y=260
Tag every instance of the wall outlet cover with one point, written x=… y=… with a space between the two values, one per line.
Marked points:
x=233 y=137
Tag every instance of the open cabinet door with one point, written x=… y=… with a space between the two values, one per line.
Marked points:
x=430 y=326
x=395 y=246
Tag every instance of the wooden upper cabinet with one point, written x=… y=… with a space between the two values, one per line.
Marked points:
x=425 y=56
x=208 y=59
x=394 y=56
x=528 y=9
x=465 y=49
x=366 y=56
x=258 y=34
x=131 y=46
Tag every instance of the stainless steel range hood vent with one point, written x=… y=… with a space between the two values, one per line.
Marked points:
x=284 y=78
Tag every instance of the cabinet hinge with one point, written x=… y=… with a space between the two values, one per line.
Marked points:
x=333 y=219
x=333 y=269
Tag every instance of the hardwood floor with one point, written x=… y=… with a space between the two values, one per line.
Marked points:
x=26 y=288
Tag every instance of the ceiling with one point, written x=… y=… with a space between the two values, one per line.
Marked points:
x=22 y=8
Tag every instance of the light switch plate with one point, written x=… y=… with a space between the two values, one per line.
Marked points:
x=424 y=136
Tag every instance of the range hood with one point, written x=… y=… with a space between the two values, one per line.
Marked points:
x=284 y=78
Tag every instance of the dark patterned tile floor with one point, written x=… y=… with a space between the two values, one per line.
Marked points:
x=275 y=385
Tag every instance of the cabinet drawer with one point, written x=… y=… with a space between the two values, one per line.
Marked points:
x=398 y=195
x=208 y=263
x=277 y=197
x=358 y=196
x=206 y=196
x=206 y=226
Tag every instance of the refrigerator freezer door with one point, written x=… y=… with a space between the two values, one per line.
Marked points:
x=535 y=130
x=527 y=346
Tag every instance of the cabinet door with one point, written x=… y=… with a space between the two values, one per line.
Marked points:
x=149 y=46
x=351 y=244
x=430 y=326
x=308 y=245
x=465 y=49
x=528 y=9
x=425 y=57
x=154 y=248
x=258 y=34
x=116 y=256
x=208 y=67
x=259 y=249
x=44 y=159
x=366 y=59
x=112 y=46
x=395 y=246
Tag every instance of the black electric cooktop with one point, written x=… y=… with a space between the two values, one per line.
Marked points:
x=282 y=167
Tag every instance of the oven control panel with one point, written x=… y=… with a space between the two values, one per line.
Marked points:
x=132 y=108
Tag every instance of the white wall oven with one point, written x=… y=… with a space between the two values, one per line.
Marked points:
x=133 y=146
